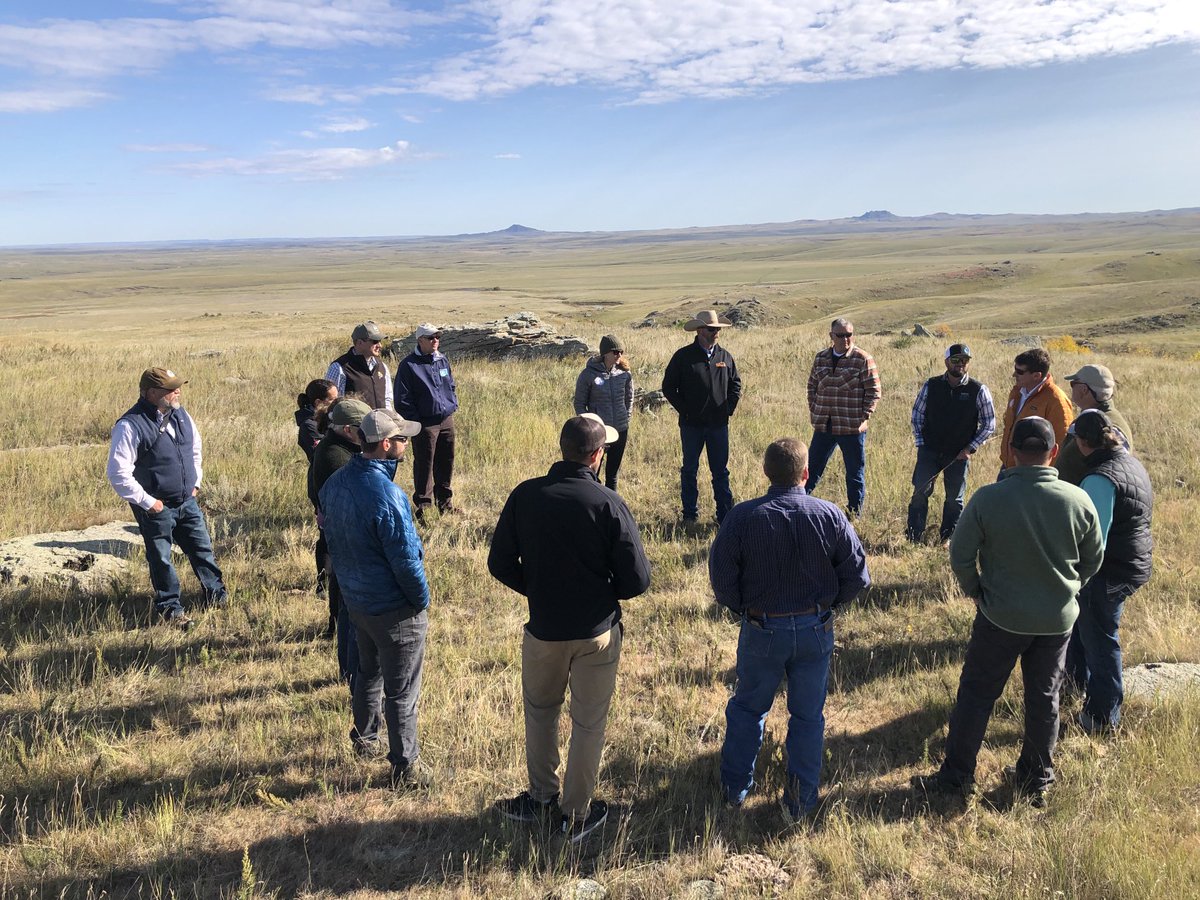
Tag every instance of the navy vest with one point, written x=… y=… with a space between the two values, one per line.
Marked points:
x=370 y=385
x=164 y=466
x=1128 y=548
x=951 y=415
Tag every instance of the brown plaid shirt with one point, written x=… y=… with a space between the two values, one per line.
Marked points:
x=842 y=392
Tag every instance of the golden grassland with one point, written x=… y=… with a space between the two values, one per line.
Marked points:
x=138 y=761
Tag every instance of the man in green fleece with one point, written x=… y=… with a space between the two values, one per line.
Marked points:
x=1022 y=549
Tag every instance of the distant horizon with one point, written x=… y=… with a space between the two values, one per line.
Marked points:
x=143 y=121
x=865 y=217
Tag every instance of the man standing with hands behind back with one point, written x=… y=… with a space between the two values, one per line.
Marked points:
x=425 y=393
x=843 y=391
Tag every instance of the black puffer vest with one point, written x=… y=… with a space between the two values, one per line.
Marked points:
x=164 y=466
x=1128 y=549
x=951 y=415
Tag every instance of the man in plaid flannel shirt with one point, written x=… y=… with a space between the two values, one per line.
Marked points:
x=843 y=391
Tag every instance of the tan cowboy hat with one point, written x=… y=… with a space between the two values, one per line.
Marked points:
x=706 y=319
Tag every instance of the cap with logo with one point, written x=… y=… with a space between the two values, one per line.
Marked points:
x=379 y=424
x=367 y=331
x=958 y=350
x=163 y=379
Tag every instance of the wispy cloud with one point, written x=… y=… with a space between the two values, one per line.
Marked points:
x=167 y=148
x=346 y=126
x=658 y=50
x=507 y=156
x=324 y=164
x=48 y=99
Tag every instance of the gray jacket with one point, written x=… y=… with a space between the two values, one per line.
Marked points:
x=608 y=394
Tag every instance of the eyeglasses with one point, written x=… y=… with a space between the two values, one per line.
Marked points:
x=844 y=335
x=398 y=439
x=960 y=359
x=1018 y=372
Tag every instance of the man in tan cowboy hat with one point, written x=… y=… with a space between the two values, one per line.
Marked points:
x=702 y=383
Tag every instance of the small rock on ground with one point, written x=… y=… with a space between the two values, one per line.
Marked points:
x=1154 y=680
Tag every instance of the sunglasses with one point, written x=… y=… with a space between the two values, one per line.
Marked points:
x=1017 y=372
x=844 y=335
x=708 y=330
x=960 y=359
x=398 y=439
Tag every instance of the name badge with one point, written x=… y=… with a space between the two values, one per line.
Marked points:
x=599 y=379
x=443 y=372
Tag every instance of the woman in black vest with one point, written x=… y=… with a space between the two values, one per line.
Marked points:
x=1120 y=490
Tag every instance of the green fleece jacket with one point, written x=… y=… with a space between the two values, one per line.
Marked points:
x=1023 y=548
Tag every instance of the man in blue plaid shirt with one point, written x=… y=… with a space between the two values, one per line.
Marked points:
x=952 y=416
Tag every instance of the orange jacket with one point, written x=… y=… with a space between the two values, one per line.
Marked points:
x=1049 y=402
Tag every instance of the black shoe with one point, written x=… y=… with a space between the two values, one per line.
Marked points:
x=177 y=618
x=372 y=749
x=419 y=514
x=939 y=784
x=449 y=510
x=577 y=830
x=1035 y=796
x=415 y=776
x=217 y=601
x=523 y=808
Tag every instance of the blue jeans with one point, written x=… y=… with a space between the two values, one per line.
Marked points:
x=1094 y=655
x=391 y=659
x=992 y=653
x=797 y=648
x=714 y=438
x=854 y=455
x=184 y=526
x=924 y=477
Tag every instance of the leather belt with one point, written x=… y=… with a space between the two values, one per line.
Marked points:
x=759 y=614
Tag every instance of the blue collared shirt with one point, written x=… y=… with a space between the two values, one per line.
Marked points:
x=786 y=552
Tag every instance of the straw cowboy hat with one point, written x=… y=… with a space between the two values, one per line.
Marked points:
x=706 y=319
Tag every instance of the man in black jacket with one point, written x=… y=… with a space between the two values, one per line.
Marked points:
x=701 y=382
x=571 y=546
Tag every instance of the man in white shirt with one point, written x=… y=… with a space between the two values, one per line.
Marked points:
x=155 y=465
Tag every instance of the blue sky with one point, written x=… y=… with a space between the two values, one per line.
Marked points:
x=180 y=119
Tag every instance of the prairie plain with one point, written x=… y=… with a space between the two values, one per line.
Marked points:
x=140 y=762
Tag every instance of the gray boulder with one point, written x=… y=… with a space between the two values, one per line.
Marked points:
x=85 y=560
x=522 y=336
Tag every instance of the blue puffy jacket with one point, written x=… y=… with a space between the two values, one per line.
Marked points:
x=376 y=553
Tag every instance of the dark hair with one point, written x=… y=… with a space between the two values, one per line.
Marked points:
x=317 y=390
x=365 y=446
x=1097 y=431
x=785 y=461
x=580 y=438
x=1035 y=360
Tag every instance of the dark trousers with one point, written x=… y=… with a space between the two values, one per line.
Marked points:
x=991 y=654
x=326 y=579
x=612 y=459
x=924 y=477
x=433 y=464
x=185 y=527
x=854 y=455
x=1094 y=655
x=714 y=439
x=391 y=658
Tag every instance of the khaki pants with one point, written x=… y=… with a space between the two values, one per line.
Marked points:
x=589 y=667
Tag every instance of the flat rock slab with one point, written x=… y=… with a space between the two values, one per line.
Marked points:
x=84 y=559
x=1154 y=680
x=521 y=336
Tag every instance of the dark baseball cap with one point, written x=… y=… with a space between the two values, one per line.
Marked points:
x=1092 y=425
x=958 y=350
x=1033 y=435
x=367 y=331
x=164 y=379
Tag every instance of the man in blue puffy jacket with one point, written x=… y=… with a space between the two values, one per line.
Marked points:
x=378 y=559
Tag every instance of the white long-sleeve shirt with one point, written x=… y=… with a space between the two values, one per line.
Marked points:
x=123 y=454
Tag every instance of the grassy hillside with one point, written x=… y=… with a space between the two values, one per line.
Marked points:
x=141 y=762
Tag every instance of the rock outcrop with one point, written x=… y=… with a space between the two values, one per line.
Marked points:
x=521 y=336
x=85 y=559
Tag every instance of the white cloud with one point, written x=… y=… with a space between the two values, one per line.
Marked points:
x=346 y=126
x=325 y=164
x=167 y=148
x=507 y=156
x=659 y=49
x=47 y=100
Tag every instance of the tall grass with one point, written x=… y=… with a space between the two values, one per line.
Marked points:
x=141 y=762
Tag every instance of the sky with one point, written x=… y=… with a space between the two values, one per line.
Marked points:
x=222 y=119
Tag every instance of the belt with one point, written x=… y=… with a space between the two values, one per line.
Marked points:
x=759 y=614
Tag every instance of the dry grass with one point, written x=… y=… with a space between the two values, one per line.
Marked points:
x=136 y=761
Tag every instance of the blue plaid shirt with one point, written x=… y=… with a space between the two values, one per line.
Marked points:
x=786 y=552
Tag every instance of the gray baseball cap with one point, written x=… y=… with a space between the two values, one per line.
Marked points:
x=367 y=331
x=386 y=423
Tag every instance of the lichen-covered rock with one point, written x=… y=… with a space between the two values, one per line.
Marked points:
x=1155 y=680
x=84 y=559
x=522 y=336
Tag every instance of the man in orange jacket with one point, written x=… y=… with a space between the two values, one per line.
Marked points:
x=1034 y=394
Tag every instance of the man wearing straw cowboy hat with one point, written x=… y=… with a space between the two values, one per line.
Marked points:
x=952 y=416
x=701 y=382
